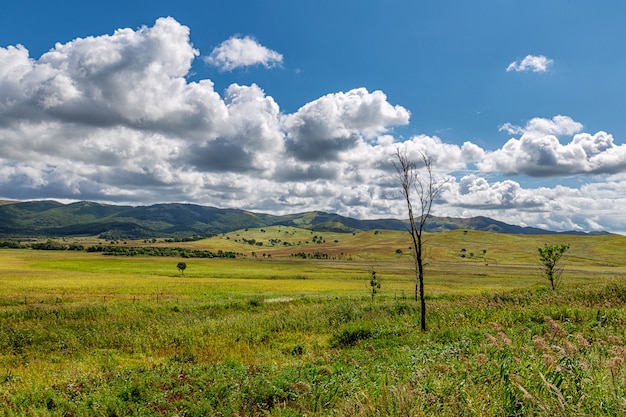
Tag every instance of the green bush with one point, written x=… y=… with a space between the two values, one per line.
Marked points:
x=350 y=336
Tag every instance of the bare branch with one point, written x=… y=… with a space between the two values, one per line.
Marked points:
x=426 y=189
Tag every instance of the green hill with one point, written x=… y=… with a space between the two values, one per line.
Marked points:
x=85 y=218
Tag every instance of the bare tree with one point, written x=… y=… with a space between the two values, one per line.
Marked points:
x=424 y=189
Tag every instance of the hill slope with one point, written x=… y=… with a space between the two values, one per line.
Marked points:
x=50 y=218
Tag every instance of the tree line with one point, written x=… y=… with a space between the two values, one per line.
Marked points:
x=159 y=251
x=115 y=250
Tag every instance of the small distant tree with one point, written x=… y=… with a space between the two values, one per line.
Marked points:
x=182 y=266
x=374 y=283
x=549 y=256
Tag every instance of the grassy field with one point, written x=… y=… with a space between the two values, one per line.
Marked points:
x=289 y=328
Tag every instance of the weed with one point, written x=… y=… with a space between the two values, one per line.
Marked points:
x=297 y=350
x=350 y=336
x=255 y=301
x=498 y=344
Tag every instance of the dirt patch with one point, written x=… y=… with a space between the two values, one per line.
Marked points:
x=278 y=300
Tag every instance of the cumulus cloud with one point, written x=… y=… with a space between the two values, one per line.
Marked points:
x=590 y=207
x=534 y=63
x=251 y=136
x=558 y=125
x=239 y=52
x=445 y=157
x=538 y=152
x=114 y=118
x=335 y=123
x=472 y=191
x=131 y=78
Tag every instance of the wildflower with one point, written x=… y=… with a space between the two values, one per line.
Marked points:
x=326 y=370
x=618 y=351
x=301 y=387
x=540 y=344
x=495 y=326
x=492 y=340
x=582 y=341
x=570 y=348
x=615 y=340
x=548 y=360
x=442 y=368
x=481 y=359
x=555 y=327
x=504 y=339
x=617 y=362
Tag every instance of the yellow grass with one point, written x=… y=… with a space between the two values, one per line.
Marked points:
x=491 y=262
x=149 y=313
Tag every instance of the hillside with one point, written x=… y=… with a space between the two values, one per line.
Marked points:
x=54 y=219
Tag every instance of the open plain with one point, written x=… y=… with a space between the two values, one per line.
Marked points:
x=289 y=327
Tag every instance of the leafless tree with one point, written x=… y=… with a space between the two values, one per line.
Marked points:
x=423 y=188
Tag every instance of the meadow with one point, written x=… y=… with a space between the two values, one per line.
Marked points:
x=289 y=328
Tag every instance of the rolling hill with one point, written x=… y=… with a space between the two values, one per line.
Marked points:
x=53 y=219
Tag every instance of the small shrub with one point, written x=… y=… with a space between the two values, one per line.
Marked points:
x=255 y=301
x=402 y=308
x=131 y=393
x=186 y=357
x=342 y=313
x=350 y=336
x=297 y=350
x=374 y=283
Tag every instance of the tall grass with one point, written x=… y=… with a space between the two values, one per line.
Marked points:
x=81 y=335
x=526 y=352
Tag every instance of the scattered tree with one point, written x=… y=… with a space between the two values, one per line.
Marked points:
x=549 y=257
x=182 y=266
x=374 y=283
x=424 y=189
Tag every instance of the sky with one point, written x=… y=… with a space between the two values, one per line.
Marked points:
x=283 y=106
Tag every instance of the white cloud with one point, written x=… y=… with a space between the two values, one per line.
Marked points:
x=472 y=191
x=113 y=118
x=251 y=137
x=335 y=123
x=558 y=125
x=445 y=157
x=538 y=152
x=131 y=78
x=242 y=52
x=590 y=207
x=534 y=63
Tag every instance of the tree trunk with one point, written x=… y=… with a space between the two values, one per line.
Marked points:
x=422 y=304
x=426 y=190
x=420 y=268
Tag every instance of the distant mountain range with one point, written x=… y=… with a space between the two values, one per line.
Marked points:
x=53 y=219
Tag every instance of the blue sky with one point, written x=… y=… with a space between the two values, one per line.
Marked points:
x=288 y=106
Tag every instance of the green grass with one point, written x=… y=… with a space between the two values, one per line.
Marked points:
x=87 y=334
